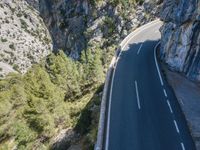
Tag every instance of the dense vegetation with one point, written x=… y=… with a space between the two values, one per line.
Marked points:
x=52 y=95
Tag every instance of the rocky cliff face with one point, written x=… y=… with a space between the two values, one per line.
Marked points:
x=27 y=27
x=24 y=38
x=180 y=44
x=76 y=25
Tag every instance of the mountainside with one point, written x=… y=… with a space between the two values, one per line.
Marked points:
x=74 y=26
x=24 y=38
x=77 y=25
x=180 y=43
x=55 y=103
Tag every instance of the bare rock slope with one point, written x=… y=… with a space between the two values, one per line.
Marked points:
x=76 y=25
x=24 y=38
x=27 y=26
x=180 y=44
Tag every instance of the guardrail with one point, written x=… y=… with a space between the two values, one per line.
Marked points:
x=102 y=120
x=105 y=97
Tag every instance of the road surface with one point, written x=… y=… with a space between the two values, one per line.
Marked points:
x=143 y=113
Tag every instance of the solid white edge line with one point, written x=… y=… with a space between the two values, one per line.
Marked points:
x=182 y=145
x=139 y=49
x=109 y=110
x=177 y=129
x=158 y=69
x=165 y=93
x=169 y=105
x=110 y=96
x=137 y=94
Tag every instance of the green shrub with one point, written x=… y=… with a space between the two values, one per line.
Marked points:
x=23 y=24
x=11 y=46
x=16 y=67
x=109 y=22
x=19 y=14
x=3 y=40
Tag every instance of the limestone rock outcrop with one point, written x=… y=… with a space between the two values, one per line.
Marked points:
x=74 y=25
x=24 y=38
x=180 y=42
x=31 y=29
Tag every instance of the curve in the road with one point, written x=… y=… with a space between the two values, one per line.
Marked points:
x=143 y=113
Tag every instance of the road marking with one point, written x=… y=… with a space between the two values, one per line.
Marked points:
x=109 y=109
x=139 y=49
x=137 y=94
x=110 y=96
x=158 y=69
x=182 y=145
x=136 y=32
x=169 y=106
x=177 y=129
x=165 y=93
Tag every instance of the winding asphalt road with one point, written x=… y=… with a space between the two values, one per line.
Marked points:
x=143 y=113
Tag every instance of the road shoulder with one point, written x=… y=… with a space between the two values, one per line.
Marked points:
x=188 y=95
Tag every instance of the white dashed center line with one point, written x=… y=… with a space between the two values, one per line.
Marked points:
x=169 y=105
x=182 y=145
x=139 y=49
x=137 y=94
x=165 y=93
x=177 y=129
